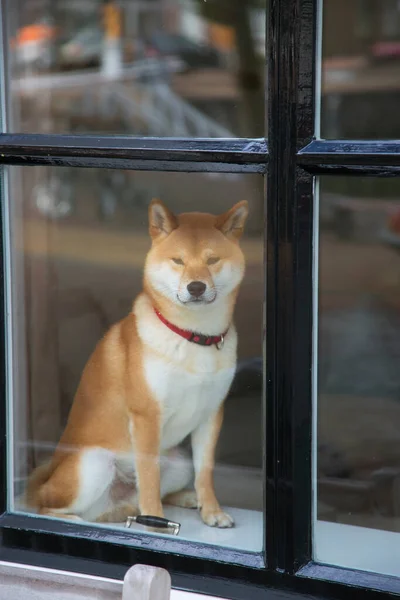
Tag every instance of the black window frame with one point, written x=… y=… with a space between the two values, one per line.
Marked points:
x=292 y=158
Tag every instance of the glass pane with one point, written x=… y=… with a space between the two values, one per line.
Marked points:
x=361 y=69
x=358 y=504
x=79 y=245
x=183 y=68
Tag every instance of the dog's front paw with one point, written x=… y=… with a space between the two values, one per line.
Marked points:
x=217 y=518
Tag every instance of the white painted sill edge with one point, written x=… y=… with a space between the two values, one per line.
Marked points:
x=24 y=582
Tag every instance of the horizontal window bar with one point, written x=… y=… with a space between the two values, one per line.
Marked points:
x=171 y=545
x=359 y=579
x=351 y=157
x=351 y=170
x=133 y=164
x=59 y=149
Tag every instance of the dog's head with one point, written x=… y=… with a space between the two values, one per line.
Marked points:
x=195 y=258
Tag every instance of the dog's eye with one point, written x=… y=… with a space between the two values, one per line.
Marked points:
x=213 y=260
x=177 y=261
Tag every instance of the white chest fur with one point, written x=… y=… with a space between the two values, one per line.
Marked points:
x=188 y=380
x=187 y=398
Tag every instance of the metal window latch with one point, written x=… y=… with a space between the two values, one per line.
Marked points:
x=158 y=522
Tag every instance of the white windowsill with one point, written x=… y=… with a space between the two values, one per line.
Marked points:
x=22 y=582
x=247 y=534
x=372 y=550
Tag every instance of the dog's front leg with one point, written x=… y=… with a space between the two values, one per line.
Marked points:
x=146 y=443
x=204 y=441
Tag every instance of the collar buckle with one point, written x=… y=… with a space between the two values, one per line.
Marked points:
x=221 y=343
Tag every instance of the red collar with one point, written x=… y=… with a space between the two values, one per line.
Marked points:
x=191 y=336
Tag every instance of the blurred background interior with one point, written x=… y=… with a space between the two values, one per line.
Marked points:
x=195 y=68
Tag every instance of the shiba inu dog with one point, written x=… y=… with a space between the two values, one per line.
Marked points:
x=158 y=376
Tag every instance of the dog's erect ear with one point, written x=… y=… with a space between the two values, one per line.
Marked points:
x=161 y=220
x=232 y=222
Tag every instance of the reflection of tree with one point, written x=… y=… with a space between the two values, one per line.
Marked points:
x=236 y=14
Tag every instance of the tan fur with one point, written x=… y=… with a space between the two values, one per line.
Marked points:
x=114 y=408
x=207 y=501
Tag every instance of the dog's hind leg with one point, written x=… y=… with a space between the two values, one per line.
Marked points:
x=183 y=499
x=124 y=503
x=76 y=484
x=176 y=476
x=119 y=513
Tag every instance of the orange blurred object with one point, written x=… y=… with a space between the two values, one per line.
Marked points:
x=112 y=21
x=221 y=37
x=34 y=33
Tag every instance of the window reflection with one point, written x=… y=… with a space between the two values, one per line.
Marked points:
x=144 y=67
x=361 y=69
x=359 y=352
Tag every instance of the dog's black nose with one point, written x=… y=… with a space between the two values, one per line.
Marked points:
x=196 y=288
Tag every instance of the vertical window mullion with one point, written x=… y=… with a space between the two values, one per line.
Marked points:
x=291 y=122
